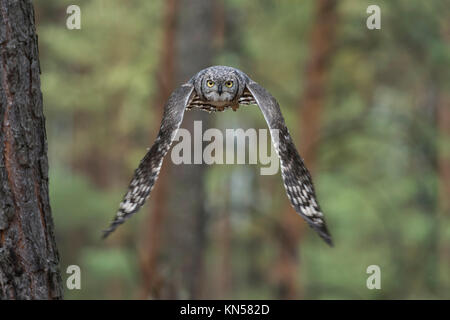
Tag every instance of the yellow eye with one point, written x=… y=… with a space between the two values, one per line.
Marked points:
x=229 y=84
x=209 y=83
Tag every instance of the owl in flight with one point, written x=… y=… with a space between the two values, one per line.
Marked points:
x=215 y=89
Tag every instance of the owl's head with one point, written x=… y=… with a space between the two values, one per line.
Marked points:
x=219 y=85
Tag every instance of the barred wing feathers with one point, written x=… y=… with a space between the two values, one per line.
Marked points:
x=296 y=177
x=148 y=170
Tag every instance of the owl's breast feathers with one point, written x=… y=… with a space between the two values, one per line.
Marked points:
x=218 y=106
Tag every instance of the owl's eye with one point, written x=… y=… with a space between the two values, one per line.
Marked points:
x=210 y=83
x=229 y=84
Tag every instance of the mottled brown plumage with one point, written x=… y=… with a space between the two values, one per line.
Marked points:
x=217 y=89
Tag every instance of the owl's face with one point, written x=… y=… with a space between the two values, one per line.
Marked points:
x=219 y=89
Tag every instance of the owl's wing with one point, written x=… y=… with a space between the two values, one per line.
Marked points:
x=297 y=180
x=146 y=174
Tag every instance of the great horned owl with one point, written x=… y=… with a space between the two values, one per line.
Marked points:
x=215 y=89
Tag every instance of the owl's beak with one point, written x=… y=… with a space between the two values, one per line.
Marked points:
x=219 y=89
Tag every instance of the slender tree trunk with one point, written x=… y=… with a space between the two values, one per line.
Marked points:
x=443 y=123
x=322 y=38
x=29 y=262
x=443 y=118
x=187 y=221
x=149 y=253
x=224 y=275
x=224 y=233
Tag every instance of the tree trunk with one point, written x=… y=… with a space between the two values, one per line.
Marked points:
x=187 y=221
x=29 y=261
x=443 y=124
x=444 y=169
x=321 y=44
x=224 y=275
x=153 y=281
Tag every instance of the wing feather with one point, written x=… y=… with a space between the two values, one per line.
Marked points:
x=148 y=170
x=296 y=177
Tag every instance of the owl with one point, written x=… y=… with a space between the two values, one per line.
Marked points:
x=214 y=89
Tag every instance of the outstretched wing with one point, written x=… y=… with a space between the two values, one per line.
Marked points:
x=146 y=174
x=297 y=180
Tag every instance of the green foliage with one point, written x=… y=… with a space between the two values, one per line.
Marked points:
x=376 y=177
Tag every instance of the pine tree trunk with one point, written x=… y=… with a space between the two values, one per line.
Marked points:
x=29 y=262
x=187 y=224
x=321 y=44
x=443 y=124
x=153 y=281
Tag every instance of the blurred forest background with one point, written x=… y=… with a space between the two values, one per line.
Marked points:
x=369 y=111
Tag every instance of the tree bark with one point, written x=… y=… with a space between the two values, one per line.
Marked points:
x=186 y=227
x=444 y=169
x=224 y=275
x=29 y=261
x=321 y=44
x=443 y=124
x=153 y=280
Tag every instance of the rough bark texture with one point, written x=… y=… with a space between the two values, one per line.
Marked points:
x=322 y=39
x=29 y=262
